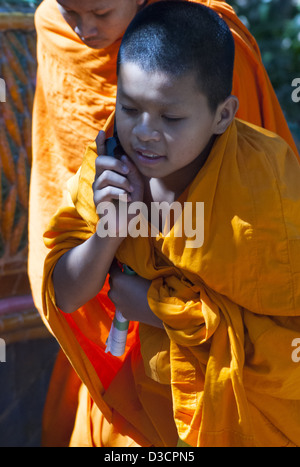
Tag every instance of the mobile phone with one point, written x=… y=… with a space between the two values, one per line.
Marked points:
x=113 y=146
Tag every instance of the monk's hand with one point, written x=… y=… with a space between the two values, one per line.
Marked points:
x=115 y=179
x=129 y=295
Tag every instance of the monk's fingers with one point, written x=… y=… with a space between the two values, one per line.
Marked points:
x=108 y=194
x=110 y=178
x=114 y=268
x=116 y=279
x=110 y=163
x=135 y=179
x=115 y=178
x=113 y=296
x=114 y=273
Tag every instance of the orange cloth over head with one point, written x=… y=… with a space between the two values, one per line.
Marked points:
x=223 y=368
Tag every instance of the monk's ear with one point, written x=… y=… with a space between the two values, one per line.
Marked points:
x=225 y=114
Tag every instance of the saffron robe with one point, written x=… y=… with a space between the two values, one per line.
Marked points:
x=75 y=94
x=221 y=372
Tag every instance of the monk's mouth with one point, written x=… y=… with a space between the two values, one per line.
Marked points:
x=146 y=157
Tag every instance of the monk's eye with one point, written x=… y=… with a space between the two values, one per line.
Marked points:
x=172 y=119
x=102 y=14
x=70 y=12
x=128 y=110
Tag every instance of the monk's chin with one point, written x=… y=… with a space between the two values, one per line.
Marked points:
x=96 y=43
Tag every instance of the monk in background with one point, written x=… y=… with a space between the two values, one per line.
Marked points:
x=76 y=89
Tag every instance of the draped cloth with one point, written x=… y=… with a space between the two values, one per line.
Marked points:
x=222 y=369
x=75 y=94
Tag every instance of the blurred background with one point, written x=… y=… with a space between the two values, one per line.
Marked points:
x=30 y=350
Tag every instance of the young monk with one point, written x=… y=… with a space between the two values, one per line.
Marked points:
x=210 y=363
x=76 y=87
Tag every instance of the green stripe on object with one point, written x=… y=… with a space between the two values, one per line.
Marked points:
x=128 y=270
x=182 y=444
x=121 y=326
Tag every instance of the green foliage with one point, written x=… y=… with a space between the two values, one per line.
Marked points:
x=19 y=5
x=275 y=24
x=7 y=3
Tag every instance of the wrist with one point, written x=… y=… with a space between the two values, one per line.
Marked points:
x=111 y=242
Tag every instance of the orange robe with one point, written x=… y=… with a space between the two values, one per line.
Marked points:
x=75 y=93
x=221 y=373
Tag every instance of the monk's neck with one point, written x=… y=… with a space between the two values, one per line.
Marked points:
x=170 y=188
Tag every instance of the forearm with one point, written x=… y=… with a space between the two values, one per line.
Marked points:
x=81 y=272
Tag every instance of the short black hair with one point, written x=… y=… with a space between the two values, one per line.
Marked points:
x=180 y=37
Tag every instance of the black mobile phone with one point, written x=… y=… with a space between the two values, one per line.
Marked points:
x=113 y=146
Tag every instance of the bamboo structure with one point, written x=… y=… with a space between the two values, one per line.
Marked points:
x=18 y=318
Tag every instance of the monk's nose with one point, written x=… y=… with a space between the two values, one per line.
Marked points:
x=145 y=130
